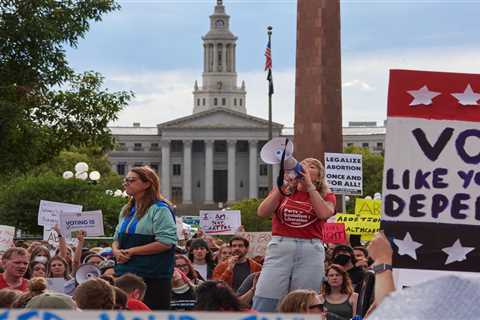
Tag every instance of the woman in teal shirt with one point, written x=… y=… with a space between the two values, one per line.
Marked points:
x=145 y=237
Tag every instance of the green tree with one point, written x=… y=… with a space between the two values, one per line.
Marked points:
x=372 y=173
x=45 y=106
x=250 y=220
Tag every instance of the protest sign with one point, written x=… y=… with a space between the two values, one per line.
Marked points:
x=180 y=229
x=368 y=206
x=7 y=234
x=89 y=221
x=431 y=185
x=49 y=211
x=56 y=284
x=193 y=221
x=334 y=233
x=365 y=225
x=258 y=242
x=220 y=221
x=343 y=172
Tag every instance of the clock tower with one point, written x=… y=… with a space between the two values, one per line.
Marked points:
x=219 y=79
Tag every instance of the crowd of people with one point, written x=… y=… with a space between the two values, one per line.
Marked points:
x=146 y=268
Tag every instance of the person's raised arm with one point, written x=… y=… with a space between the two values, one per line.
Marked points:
x=381 y=252
x=62 y=244
x=270 y=203
x=77 y=255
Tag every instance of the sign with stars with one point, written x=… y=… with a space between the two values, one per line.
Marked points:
x=431 y=185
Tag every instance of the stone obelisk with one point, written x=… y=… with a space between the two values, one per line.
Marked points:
x=318 y=95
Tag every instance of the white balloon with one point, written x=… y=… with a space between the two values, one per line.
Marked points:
x=94 y=175
x=81 y=167
x=117 y=193
x=377 y=195
x=124 y=194
x=109 y=192
x=368 y=198
x=347 y=198
x=67 y=175
x=81 y=175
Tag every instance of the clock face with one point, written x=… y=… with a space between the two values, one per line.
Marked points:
x=219 y=23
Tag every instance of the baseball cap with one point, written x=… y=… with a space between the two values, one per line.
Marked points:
x=52 y=300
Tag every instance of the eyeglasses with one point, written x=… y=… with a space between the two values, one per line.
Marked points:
x=129 y=179
x=181 y=266
x=319 y=306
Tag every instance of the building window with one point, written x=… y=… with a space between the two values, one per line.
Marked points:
x=121 y=168
x=220 y=146
x=242 y=146
x=203 y=101
x=177 y=195
x=263 y=169
x=137 y=147
x=198 y=101
x=154 y=146
x=215 y=101
x=122 y=146
x=177 y=169
x=262 y=192
x=198 y=146
x=241 y=102
x=379 y=145
x=176 y=146
x=365 y=144
x=235 y=101
x=224 y=101
x=154 y=167
x=350 y=144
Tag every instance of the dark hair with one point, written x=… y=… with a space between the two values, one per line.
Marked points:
x=121 y=299
x=240 y=238
x=217 y=296
x=32 y=265
x=346 y=282
x=95 y=294
x=363 y=249
x=8 y=296
x=129 y=282
x=66 y=273
x=345 y=248
x=200 y=243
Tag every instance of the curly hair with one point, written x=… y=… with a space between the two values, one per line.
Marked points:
x=297 y=301
x=36 y=286
x=346 y=282
x=95 y=294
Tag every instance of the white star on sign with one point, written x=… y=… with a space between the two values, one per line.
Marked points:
x=456 y=252
x=468 y=97
x=422 y=96
x=407 y=246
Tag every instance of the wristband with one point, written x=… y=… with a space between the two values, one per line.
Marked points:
x=379 y=268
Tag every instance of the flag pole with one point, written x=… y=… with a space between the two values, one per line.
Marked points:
x=270 y=92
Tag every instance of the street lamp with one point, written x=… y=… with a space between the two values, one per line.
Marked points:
x=81 y=173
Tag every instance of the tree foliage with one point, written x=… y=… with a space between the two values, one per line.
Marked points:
x=45 y=106
x=250 y=220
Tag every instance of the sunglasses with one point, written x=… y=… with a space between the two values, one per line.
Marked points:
x=129 y=179
x=314 y=306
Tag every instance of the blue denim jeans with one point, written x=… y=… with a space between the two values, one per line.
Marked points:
x=290 y=264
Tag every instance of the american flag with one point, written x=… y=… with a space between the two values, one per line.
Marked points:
x=268 y=66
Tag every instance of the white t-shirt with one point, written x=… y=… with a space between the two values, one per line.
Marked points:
x=202 y=269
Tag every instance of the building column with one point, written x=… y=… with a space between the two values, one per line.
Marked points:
x=187 y=171
x=209 y=171
x=275 y=172
x=215 y=57
x=252 y=169
x=234 y=58
x=205 y=60
x=231 y=155
x=165 y=178
x=224 y=57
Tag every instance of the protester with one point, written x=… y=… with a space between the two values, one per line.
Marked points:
x=223 y=253
x=58 y=268
x=202 y=258
x=217 y=296
x=107 y=268
x=236 y=268
x=52 y=300
x=8 y=297
x=302 y=301
x=247 y=289
x=145 y=237
x=36 y=286
x=121 y=299
x=295 y=255
x=15 y=265
x=36 y=269
x=361 y=257
x=94 y=259
x=343 y=255
x=40 y=254
x=95 y=294
x=183 y=292
x=338 y=295
x=135 y=288
x=184 y=265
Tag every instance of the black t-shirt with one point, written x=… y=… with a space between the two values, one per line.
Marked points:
x=356 y=275
x=183 y=301
x=240 y=272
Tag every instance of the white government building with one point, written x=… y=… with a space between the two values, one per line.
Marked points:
x=211 y=158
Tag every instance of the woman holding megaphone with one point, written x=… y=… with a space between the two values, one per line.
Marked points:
x=295 y=255
x=145 y=237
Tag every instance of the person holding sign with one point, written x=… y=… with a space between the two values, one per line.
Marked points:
x=145 y=237
x=295 y=255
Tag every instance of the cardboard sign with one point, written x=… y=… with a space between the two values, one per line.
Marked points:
x=343 y=172
x=258 y=242
x=220 y=221
x=368 y=206
x=49 y=212
x=89 y=221
x=431 y=184
x=193 y=221
x=365 y=225
x=180 y=229
x=56 y=284
x=7 y=234
x=334 y=233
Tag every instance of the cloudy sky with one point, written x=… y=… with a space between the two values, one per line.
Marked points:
x=154 y=48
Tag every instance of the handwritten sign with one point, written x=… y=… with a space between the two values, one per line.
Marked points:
x=49 y=212
x=220 y=221
x=334 y=233
x=343 y=172
x=368 y=206
x=7 y=234
x=365 y=225
x=258 y=242
x=89 y=221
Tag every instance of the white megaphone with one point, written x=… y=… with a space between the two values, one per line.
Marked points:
x=272 y=151
x=87 y=271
